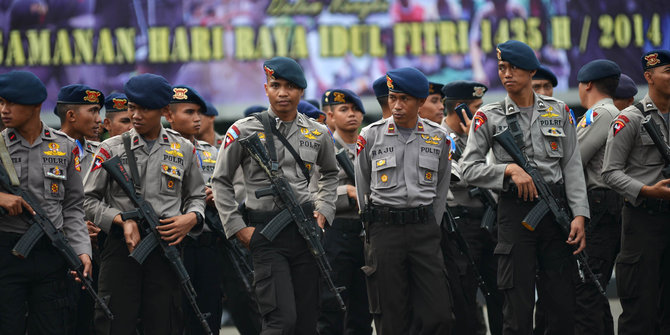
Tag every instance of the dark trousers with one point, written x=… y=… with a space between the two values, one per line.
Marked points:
x=344 y=249
x=643 y=272
x=287 y=282
x=406 y=279
x=238 y=301
x=149 y=291
x=36 y=293
x=521 y=255
x=203 y=261
x=461 y=283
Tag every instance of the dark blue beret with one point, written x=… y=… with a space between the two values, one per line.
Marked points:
x=81 y=95
x=324 y=98
x=545 y=73
x=253 y=110
x=116 y=102
x=380 y=88
x=148 y=90
x=22 y=87
x=407 y=80
x=518 y=54
x=344 y=96
x=210 y=110
x=313 y=102
x=185 y=94
x=308 y=109
x=626 y=89
x=655 y=58
x=435 y=88
x=598 y=69
x=464 y=90
x=286 y=68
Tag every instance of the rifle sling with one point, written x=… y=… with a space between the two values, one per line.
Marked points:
x=132 y=162
x=7 y=162
x=514 y=127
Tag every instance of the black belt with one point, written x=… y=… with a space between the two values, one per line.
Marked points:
x=652 y=206
x=347 y=225
x=390 y=215
x=468 y=212
x=558 y=190
x=604 y=197
x=262 y=217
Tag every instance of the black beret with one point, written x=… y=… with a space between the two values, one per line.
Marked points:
x=407 y=80
x=655 y=58
x=380 y=88
x=308 y=109
x=435 y=88
x=626 y=89
x=253 y=110
x=22 y=87
x=185 y=94
x=464 y=90
x=343 y=96
x=545 y=73
x=116 y=102
x=81 y=95
x=598 y=69
x=324 y=98
x=285 y=68
x=518 y=54
x=210 y=110
x=148 y=90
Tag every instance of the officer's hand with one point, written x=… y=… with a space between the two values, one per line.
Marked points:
x=660 y=190
x=351 y=192
x=523 y=181
x=320 y=219
x=131 y=233
x=209 y=197
x=465 y=128
x=14 y=204
x=88 y=269
x=175 y=228
x=93 y=231
x=577 y=235
x=244 y=235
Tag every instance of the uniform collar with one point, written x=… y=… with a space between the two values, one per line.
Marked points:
x=538 y=103
x=603 y=101
x=648 y=104
x=392 y=129
x=47 y=133
x=299 y=121
x=137 y=141
x=12 y=136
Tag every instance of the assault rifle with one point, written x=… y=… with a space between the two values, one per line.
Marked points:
x=485 y=196
x=652 y=129
x=342 y=157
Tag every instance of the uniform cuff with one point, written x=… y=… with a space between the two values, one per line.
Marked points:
x=633 y=190
x=499 y=173
x=581 y=211
x=233 y=226
x=107 y=219
x=327 y=211
x=84 y=249
x=342 y=189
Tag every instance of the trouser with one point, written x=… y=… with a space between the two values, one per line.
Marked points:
x=461 y=282
x=86 y=304
x=36 y=293
x=406 y=279
x=238 y=301
x=203 y=261
x=149 y=291
x=521 y=255
x=643 y=272
x=344 y=249
x=481 y=245
x=287 y=281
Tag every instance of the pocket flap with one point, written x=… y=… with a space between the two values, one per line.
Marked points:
x=172 y=171
x=553 y=131
x=262 y=272
x=628 y=258
x=428 y=162
x=503 y=248
x=55 y=172
x=383 y=163
x=308 y=155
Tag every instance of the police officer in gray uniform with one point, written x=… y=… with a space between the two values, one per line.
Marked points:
x=550 y=141
x=598 y=81
x=633 y=167
x=286 y=276
x=170 y=180
x=403 y=166
x=44 y=163
x=625 y=92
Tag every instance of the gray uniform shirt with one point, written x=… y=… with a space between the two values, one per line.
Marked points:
x=47 y=171
x=631 y=158
x=404 y=173
x=206 y=154
x=170 y=179
x=592 y=132
x=343 y=207
x=550 y=140
x=458 y=190
x=310 y=140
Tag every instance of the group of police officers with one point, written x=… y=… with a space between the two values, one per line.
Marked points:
x=392 y=206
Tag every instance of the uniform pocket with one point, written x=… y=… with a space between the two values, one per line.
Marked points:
x=371 y=281
x=650 y=154
x=384 y=172
x=505 y=265
x=171 y=178
x=553 y=141
x=308 y=156
x=428 y=170
x=54 y=176
x=265 y=289
x=627 y=276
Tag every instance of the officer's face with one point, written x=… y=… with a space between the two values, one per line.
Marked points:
x=622 y=104
x=658 y=79
x=15 y=115
x=514 y=79
x=543 y=86
x=85 y=119
x=118 y=123
x=185 y=118
x=404 y=108
x=283 y=95
x=475 y=104
x=206 y=123
x=347 y=117
x=147 y=122
x=433 y=109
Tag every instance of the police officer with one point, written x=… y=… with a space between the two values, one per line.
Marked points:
x=169 y=179
x=381 y=93
x=544 y=81
x=632 y=166
x=433 y=108
x=598 y=81
x=625 y=92
x=403 y=167
x=549 y=139
x=43 y=160
x=286 y=276
x=342 y=241
x=470 y=209
x=117 y=117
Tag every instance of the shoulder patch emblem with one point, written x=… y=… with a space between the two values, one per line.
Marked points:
x=360 y=144
x=479 y=120
x=232 y=134
x=619 y=124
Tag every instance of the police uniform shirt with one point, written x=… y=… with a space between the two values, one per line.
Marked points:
x=218 y=140
x=458 y=190
x=48 y=171
x=309 y=139
x=631 y=158
x=343 y=207
x=592 y=132
x=206 y=155
x=170 y=178
x=86 y=157
x=551 y=143
x=404 y=173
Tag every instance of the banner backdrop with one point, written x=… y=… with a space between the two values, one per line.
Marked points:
x=218 y=46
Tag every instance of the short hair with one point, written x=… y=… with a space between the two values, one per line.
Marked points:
x=62 y=108
x=607 y=85
x=383 y=101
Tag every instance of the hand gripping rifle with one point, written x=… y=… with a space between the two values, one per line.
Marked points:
x=293 y=212
x=547 y=202
x=40 y=225
x=144 y=214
